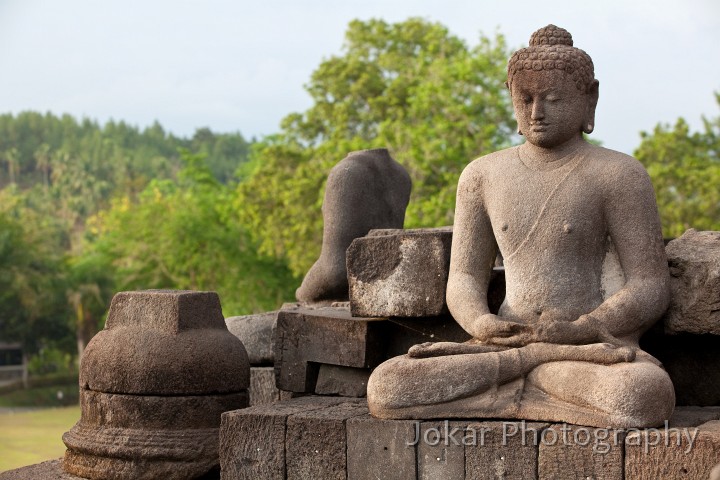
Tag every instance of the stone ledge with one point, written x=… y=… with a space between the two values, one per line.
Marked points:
x=52 y=470
x=334 y=437
x=253 y=440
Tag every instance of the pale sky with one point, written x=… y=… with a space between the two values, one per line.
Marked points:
x=235 y=65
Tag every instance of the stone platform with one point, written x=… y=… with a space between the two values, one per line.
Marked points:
x=335 y=438
x=52 y=470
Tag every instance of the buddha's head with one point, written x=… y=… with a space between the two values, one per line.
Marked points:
x=553 y=88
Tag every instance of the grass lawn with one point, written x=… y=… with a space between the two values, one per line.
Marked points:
x=35 y=436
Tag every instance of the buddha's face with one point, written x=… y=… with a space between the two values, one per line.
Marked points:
x=549 y=108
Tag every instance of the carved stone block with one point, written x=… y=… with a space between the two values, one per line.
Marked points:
x=256 y=333
x=403 y=273
x=503 y=450
x=440 y=450
x=252 y=440
x=381 y=449
x=307 y=339
x=315 y=441
x=689 y=452
x=694 y=261
x=262 y=388
x=572 y=451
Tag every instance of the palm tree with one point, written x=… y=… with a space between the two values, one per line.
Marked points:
x=12 y=159
x=42 y=162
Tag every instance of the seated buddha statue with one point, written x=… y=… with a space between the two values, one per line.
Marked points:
x=586 y=273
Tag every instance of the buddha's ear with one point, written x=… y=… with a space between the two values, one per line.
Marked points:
x=592 y=92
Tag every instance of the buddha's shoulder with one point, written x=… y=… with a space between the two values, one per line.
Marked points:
x=613 y=165
x=492 y=164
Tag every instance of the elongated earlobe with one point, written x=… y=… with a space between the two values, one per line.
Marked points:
x=593 y=92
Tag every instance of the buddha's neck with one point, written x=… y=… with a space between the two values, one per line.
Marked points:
x=541 y=156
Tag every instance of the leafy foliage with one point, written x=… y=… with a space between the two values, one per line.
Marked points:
x=411 y=87
x=56 y=172
x=685 y=170
x=182 y=235
x=31 y=274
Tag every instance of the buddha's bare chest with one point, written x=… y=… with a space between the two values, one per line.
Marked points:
x=559 y=210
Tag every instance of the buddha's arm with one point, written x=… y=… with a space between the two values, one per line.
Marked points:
x=634 y=226
x=471 y=260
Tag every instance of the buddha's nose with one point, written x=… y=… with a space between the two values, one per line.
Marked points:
x=538 y=112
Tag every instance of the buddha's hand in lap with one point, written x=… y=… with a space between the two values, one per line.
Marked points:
x=585 y=330
x=580 y=332
x=491 y=326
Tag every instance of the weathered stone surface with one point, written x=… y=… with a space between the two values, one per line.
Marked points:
x=692 y=361
x=252 y=440
x=50 y=470
x=693 y=416
x=366 y=190
x=572 y=451
x=153 y=385
x=256 y=334
x=308 y=338
x=402 y=275
x=694 y=261
x=584 y=262
x=262 y=390
x=342 y=381
x=287 y=395
x=503 y=450
x=689 y=452
x=657 y=454
x=316 y=441
x=165 y=342
x=381 y=449
x=440 y=450
x=149 y=412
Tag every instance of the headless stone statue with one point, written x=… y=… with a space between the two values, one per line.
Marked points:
x=365 y=190
x=564 y=345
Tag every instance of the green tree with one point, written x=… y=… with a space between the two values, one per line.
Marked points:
x=181 y=234
x=12 y=159
x=42 y=163
x=685 y=170
x=31 y=276
x=59 y=171
x=411 y=87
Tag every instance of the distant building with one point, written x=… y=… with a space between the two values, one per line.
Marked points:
x=13 y=366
